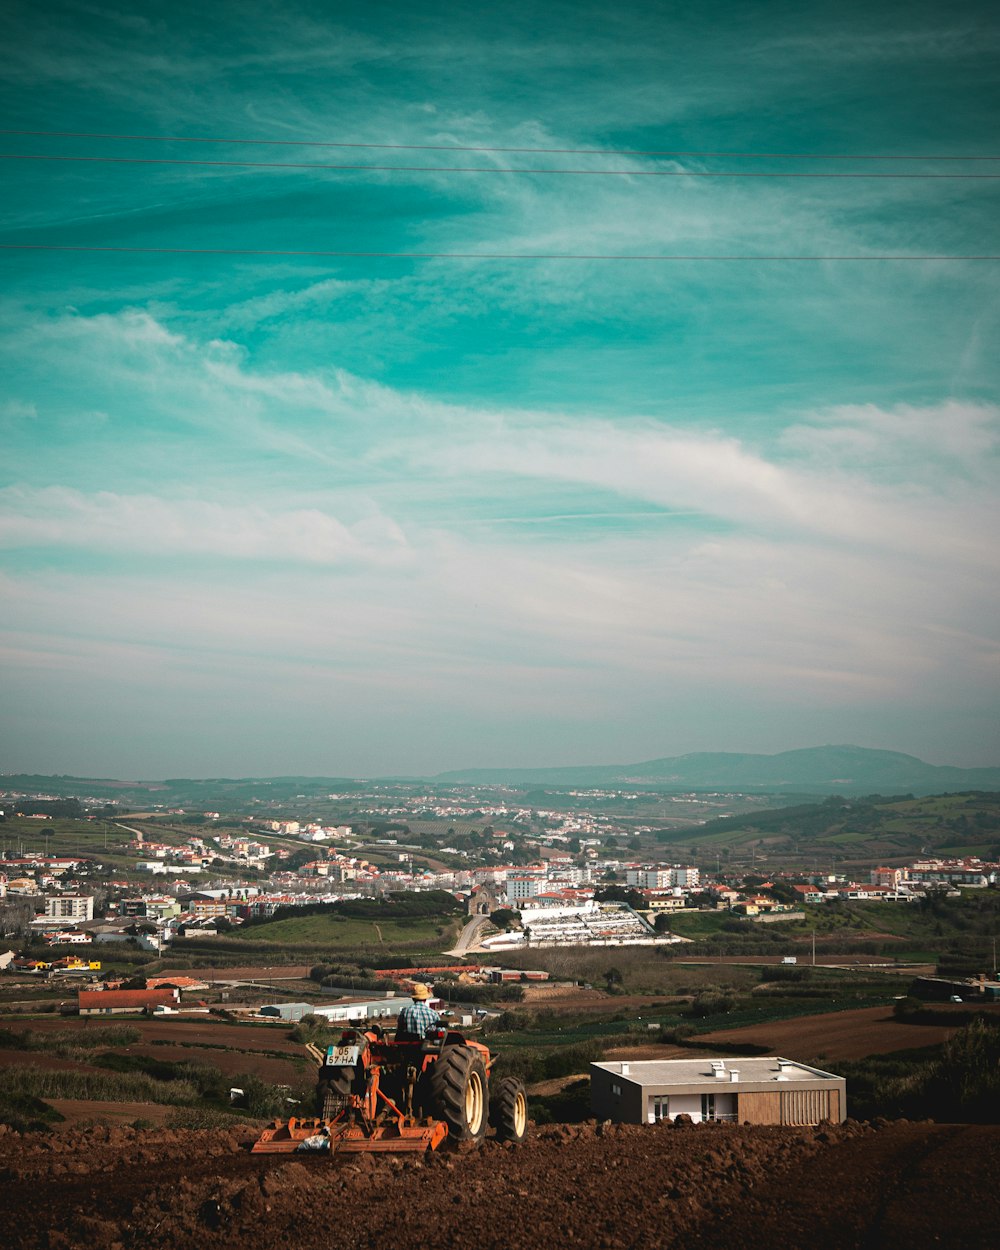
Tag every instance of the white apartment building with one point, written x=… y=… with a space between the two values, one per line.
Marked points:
x=686 y=878
x=69 y=907
x=649 y=878
x=523 y=885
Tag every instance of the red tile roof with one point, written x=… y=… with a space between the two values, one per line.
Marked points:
x=96 y=1000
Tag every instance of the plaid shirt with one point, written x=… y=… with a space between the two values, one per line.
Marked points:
x=416 y=1018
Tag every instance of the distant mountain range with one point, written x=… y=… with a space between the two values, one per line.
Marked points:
x=813 y=770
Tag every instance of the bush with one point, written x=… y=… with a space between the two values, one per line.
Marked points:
x=505 y=918
x=779 y=972
x=313 y=1029
x=261 y=1100
x=711 y=1003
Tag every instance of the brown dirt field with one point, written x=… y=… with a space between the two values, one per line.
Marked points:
x=38 y=1059
x=829 y=1037
x=193 y=1031
x=117 y=1113
x=231 y=1062
x=838 y=1035
x=293 y=972
x=598 y=1001
x=853 y=1186
x=266 y=1051
x=875 y=962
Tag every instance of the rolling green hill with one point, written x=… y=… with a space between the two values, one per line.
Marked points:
x=864 y=829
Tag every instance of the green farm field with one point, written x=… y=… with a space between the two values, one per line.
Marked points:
x=348 y=934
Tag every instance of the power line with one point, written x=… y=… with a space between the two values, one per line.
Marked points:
x=487 y=169
x=260 y=251
x=456 y=147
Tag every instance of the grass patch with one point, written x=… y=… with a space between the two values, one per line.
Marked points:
x=34 y=1082
x=69 y=1043
x=26 y=1113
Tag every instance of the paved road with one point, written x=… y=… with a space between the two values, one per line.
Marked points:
x=468 y=938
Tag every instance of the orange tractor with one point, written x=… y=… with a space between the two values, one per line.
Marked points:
x=391 y=1094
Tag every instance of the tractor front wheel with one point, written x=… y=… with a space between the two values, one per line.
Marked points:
x=509 y=1110
x=457 y=1093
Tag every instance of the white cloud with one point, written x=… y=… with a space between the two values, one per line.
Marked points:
x=906 y=437
x=836 y=497
x=847 y=563
x=107 y=522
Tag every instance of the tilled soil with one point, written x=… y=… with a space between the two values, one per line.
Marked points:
x=828 y=1038
x=891 y=1185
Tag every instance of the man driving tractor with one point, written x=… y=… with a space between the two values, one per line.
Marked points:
x=417 y=1017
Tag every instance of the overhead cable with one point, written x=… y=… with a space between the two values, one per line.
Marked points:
x=457 y=147
x=488 y=169
x=603 y=256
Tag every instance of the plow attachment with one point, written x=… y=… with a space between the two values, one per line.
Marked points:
x=341 y=1137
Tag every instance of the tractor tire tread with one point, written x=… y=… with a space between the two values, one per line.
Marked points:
x=448 y=1080
x=508 y=1110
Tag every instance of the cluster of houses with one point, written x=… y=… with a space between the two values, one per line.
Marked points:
x=555 y=896
x=197 y=853
x=904 y=884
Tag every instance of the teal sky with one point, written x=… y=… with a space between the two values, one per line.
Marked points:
x=273 y=514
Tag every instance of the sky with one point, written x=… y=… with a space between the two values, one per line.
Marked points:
x=478 y=500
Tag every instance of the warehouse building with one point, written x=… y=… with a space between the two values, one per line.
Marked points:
x=743 y=1091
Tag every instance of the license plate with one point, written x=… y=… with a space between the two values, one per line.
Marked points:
x=343 y=1056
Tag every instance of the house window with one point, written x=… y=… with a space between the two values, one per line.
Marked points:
x=616 y=1090
x=708 y=1106
x=660 y=1107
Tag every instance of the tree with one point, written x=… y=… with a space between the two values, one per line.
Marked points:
x=613 y=980
x=504 y=917
x=16 y=916
x=619 y=894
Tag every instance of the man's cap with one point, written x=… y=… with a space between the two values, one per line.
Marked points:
x=421 y=992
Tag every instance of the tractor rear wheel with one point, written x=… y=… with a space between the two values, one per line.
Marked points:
x=457 y=1093
x=509 y=1110
x=332 y=1089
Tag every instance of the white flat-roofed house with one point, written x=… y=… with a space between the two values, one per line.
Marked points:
x=764 y=1090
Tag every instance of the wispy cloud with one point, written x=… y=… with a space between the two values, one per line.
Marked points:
x=60 y=517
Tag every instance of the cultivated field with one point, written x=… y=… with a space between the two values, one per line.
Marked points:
x=713 y=1187
x=827 y=1038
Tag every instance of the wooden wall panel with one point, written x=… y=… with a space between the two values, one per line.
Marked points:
x=759 y=1108
x=804 y=1106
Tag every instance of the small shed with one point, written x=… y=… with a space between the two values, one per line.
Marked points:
x=287 y=1011
x=765 y=1090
